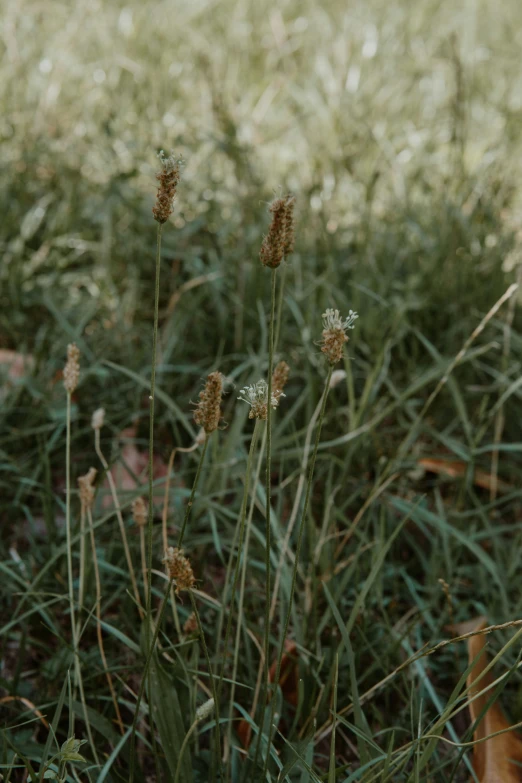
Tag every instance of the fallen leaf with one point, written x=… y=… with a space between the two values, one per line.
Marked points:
x=457 y=469
x=496 y=760
x=288 y=676
x=130 y=471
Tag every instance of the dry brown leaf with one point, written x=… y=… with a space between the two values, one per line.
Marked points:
x=457 y=469
x=495 y=759
x=130 y=472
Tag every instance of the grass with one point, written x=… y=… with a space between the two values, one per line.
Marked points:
x=396 y=127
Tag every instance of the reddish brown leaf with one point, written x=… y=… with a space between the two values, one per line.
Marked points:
x=288 y=682
x=457 y=469
x=495 y=759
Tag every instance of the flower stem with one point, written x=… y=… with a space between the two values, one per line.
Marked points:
x=151 y=430
x=192 y=494
x=296 y=565
x=68 y=522
x=251 y=452
x=145 y=677
x=117 y=508
x=268 y=507
x=217 y=753
x=98 y=624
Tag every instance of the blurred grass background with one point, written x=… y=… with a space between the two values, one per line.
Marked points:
x=397 y=126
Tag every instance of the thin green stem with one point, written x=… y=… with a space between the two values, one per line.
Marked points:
x=250 y=459
x=119 y=516
x=151 y=483
x=266 y=645
x=68 y=519
x=279 y=306
x=240 y=607
x=296 y=565
x=151 y=428
x=217 y=754
x=150 y=653
x=184 y=744
x=193 y=492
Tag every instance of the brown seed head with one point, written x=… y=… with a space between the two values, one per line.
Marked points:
x=71 y=371
x=334 y=334
x=279 y=380
x=179 y=569
x=208 y=410
x=86 y=488
x=168 y=178
x=289 y=225
x=139 y=512
x=273 y=245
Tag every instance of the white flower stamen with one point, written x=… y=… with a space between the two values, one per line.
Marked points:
x=256 y=396
x=332 y=320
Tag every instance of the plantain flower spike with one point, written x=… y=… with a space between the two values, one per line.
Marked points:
x=208 y=410
x=168 y=177
x=334 y=334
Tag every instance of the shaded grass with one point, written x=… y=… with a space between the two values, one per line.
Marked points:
x=408 y=205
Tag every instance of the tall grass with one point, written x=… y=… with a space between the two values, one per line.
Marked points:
x=396 y=129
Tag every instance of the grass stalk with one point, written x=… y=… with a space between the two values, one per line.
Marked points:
x=246 y=491
x=192 y=494
x=266 y=643
x=144 y=679
x=217 y=751
x=151 y=429
x=119 y=516
x=81 y=575
x=296 y=565
x=68 y=525
x=98 y=625
x=240 y=605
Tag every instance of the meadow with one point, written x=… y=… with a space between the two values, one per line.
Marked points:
x=376 y=514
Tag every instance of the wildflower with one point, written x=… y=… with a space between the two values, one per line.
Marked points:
x=206 y=709
x=280 y=238
x=208 y=411
x=334 y=333
x=71 y=371
x=86 y=487
x=179 y=569
x=98 y=417
x=279 y=379
x=168 y=178
x=256 y=396
x=139 y=512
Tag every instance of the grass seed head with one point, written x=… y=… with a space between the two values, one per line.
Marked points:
x=273 y=245
x=139 y=512
x=279 y=380
x=71 y=371
x=86 y=488
x=205 y=711
x=179 y=569
x=208 y=410
x=334 y=334
x=98 y=418
x=168 y=177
